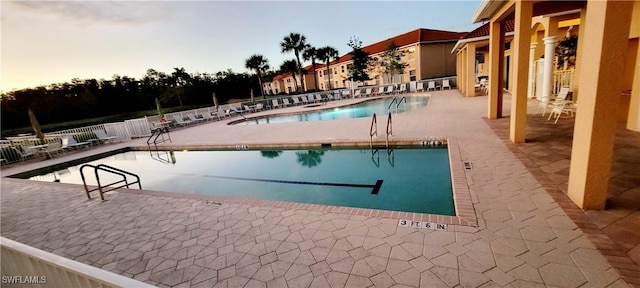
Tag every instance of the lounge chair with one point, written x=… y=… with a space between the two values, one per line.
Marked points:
x=274 y=104
x=304 y=99
x=181 y=122
x=318 y=98
x=431 y=85
x=68 y=142
x=381 y=90
x=367 y=92
x=24 y=153
x=296 y=101
x=559 y=108
x=102 y=136
x=285 y=102
x=420 y=86
x=356 y=93
x=390 y=89
x=54 y=148
x=259 y=107
x=560 y=99
x=311 y=98
x=445 y=84
x=403 y=88
x=194 y=119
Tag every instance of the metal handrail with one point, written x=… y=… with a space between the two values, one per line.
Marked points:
x=157 y=133
x=372 y=131
x=389 y=129
x=111 y=170
x=395 y=100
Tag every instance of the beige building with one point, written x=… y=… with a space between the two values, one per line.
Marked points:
x=427 y=54
x=606 y=82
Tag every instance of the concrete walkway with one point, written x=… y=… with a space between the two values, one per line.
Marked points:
x=524 y=237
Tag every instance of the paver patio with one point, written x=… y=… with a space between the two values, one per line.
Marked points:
x=524 y=237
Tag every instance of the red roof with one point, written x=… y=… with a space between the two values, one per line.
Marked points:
x=483 y=30
x=416 y=36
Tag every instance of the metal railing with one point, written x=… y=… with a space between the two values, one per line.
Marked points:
x=46 y=269
x=389 y=129
x=372 y=131
x=109 y=169
x=155 y=137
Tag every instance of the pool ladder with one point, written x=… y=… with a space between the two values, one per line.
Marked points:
x=156 y=138
x=398 y=102
x=108 y=169
x=373 y=130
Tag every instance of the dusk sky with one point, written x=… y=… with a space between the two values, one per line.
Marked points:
x=53 y=42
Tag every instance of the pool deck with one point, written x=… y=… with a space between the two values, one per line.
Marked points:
x=528 y=233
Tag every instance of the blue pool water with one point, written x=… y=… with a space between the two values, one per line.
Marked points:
x=360 y=110
x=410 y=180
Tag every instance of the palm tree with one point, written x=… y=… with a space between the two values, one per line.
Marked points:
x=180 y=77
x=327 y=54
x=297 y=43
x=290 y=66
x=259 y=64
x=311 y=53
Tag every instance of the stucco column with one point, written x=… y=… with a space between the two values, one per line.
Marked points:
x=633 y=120
x=463 y=77
x=496 y=67
x=532 y=72
x=547 y=69
x=520 y=55
x=470 y=75
x=601 y=73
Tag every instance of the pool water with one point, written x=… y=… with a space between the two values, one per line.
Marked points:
x=360 y=110
x=410 y=180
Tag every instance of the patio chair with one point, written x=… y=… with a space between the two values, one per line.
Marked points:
x=54 y=148
x=275 y=104
x=445 y=84
x=431 y=85
x=403 y=88
x=102 y=136
x=181 y=122
x=420 y=86
x=318 y=98
x=357 y=93
x=311 y=98
x=259 y=107
x=304 y=99
x=24 y=153
x=390 y=89
x=68 y=142
x=367 y=92
x=194 y=119
x=285 y=102
x=560 y=108
x=296 y=101
x=560 y=98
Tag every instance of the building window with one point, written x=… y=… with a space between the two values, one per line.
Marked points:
x=335 y=84
x=320 y=73
x=412 y=75
x=349 y=67
x=342 y=67
x=335 y=72
x=322 y=86
x=377 y=78
x=411 y=53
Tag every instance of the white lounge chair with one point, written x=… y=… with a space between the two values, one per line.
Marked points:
x=367 y=92
x=318 y=98
x=181 y=122
x=445 y=84
x=356 y=94
x=275 y=104
x=420 y=86
x=285 y=102
x=68 y=142
x=390 y=89
x=560 y=99
x=403 y=88
x=102 y=136
x=431 y=85
x=24 y=152
x=259 y=107
x=296 y=101
x=304 y=99
x=54 y=148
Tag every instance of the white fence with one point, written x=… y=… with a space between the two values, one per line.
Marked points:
x=26 y=266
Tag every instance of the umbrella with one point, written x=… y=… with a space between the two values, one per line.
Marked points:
x=36 y=126
x=252 y=97
x=215 y=101
x=159 y=108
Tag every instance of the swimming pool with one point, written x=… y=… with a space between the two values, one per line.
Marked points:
x=360 y=110
x=406 y=179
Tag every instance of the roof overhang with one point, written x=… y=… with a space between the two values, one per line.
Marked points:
x=461 y=43
x=486 y=9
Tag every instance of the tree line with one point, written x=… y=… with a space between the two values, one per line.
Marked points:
x=91 y=98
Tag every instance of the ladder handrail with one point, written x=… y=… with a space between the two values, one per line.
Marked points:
x=392 y=101
x=389 y=129
x=109 y=169
x=371 y=130
x=158 y=132
x=404 y=98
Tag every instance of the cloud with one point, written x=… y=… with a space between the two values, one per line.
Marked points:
x=107 y=12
